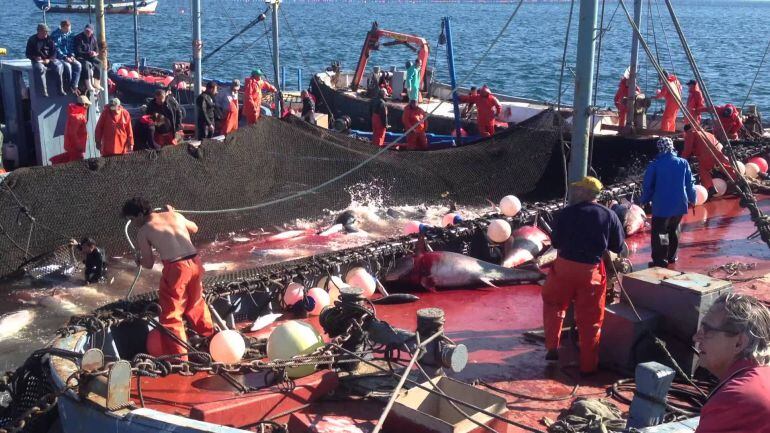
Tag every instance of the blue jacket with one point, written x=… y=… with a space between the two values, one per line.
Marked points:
x=669 y=184
x=65 y=46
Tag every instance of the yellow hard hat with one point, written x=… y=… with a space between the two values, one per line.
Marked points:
x=590 y=183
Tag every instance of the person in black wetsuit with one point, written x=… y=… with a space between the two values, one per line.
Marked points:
x=207 y=111
x=308 y=108
x=96 y=263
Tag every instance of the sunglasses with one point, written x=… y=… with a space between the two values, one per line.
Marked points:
x=710 y=330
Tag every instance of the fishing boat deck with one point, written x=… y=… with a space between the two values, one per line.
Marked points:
x=491 y=323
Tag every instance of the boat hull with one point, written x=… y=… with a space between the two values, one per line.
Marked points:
x=121 y=7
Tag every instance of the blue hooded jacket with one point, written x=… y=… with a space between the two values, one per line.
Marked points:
x=669 y=184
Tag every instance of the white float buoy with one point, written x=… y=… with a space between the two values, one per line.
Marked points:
x=510 y=205
x=752 y=170
x=701 y=195
x=498 y=231
x=321 y=298
x=227 y=346
x=359 y=277
x=720 y=186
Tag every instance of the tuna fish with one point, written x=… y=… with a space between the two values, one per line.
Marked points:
x=633 y=217
x=445 y=270
x=11 y=324
x=524 y=245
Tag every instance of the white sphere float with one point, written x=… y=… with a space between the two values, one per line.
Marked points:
x=321 y=300
x=752 y=170
x=510 y=205
x=227 y=346
x=701 y=195
x=294 y=338
x=720 y=186
x=359 y=277
x=333 y=286
x=499 y=230
x=294 y=293
x=741 y=168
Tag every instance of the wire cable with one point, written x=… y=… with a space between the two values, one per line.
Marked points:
x=759 y=68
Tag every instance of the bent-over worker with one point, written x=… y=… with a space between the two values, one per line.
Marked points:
x=181 y=292
x=707 y=149
x=581 y=233
x=487 y=107
x=733 y=343
x=731 y=121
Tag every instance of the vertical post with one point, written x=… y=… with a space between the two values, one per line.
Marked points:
x=197 y=48
x=581 y=119
x=632 y=69
x=283 y=77
x=299 y=80
x=102 y=38
x=136 y=36
x=453 y=80
x=276 y=59
x=90 y=13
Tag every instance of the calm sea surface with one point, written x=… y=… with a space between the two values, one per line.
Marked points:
x=727 y=38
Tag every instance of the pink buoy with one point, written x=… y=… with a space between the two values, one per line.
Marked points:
x=133 y=74
x=451 y=219
x=294 y=293
x=321 y=298
x=701 y=195
x=154 y=345
x=122 y=72
x=359 y=277
x=181 y=85
x=412 y=227
x=227 y=346
x=760 y=162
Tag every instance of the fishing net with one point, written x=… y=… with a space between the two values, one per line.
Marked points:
x=41 y=208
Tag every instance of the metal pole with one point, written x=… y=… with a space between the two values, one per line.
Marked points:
x=276 y=58
x=633 y=67
x=197 y=48
x=90 y=13
x=102 y=38
x=299 y=79
x=584 y=77
x=450 y=55
x=283 y=77
x=136 y=36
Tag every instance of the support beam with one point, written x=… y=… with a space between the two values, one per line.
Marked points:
x=275 y=4
x=197 y=47
x=633 y=68
x=136 y=36
x=101 y=31
x=453 y=80
x=581 y=119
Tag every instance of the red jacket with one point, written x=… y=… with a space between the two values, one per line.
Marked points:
x=622 y=93
x=732 y=124
x=75 y=131
x=741 y=403
x=695 y=102
x=114 y=134
x=413 y=116
x=252 y=97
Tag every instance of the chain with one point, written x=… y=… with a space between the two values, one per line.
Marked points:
x=43 y=405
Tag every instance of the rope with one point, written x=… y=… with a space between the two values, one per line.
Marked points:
x=665 y=37
x=371 y=158
x=759 y=68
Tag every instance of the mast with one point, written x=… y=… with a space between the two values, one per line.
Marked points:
x=453 y=80
x=274 y=5
x=632 y=70
x=197 y=47
x=581 y=119
x=136 y=36
x=102 y=37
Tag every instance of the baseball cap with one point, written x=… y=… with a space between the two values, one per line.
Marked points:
x=590 y=183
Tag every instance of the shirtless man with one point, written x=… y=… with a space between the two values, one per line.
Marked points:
x=181 y=291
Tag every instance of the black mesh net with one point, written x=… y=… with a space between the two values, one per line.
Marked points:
x=42 y=207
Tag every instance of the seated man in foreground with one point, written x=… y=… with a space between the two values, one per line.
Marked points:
x=181 y=291
x=733 y=343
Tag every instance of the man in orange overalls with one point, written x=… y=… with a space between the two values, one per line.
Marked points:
x=114 y=134
x=252 y=95
x=696 y=104
x=487 y=108
x=75 y=132
x=230 y=122
x=731 y=121
x=415 y=116
x=668 y=122
x=582 y=233
x=181 y=292
x=378 y=112
x=699 y=143
x=621 y=99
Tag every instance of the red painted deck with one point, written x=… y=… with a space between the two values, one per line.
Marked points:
x=491 y=322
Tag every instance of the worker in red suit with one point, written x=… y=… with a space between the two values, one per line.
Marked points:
x=378 y=111
x=621 y=99
x=487 y=107
x=75 y=132
x=696 y=104
x=181 y=292
x=698 y=144
x=582 y=233
x=414 y=116
x=114 y=133
x=252 y=95
x=731 y=120
x=733 y=343
x=230 y=122
x=668 y=122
